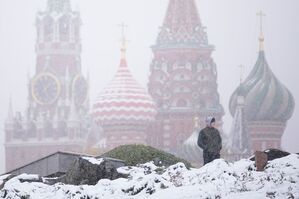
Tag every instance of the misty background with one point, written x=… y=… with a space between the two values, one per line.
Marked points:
x=232 y=26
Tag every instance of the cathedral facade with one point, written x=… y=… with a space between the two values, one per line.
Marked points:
x=56 y=115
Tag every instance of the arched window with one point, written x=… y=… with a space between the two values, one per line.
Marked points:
x=64 y=28
x=199 y=66
x=164 y=66
x=175 y=66
x=48 y=29
x=62 y=129
x=157 y=65
x=188 y=65
x=76 y=29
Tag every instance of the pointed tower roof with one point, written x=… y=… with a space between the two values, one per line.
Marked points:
x=266 y=98
x=10 y=111
x=59 y=5
x=239 y=133
x=182 y=26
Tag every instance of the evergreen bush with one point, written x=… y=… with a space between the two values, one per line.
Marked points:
x=139 y=154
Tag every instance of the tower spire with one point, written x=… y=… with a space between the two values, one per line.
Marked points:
x=260 y=14
x=10 y=111
x=59 y=5
x=182 y=26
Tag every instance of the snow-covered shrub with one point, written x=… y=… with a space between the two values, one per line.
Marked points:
x=139 y=154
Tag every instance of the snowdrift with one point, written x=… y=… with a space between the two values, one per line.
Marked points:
x=218 y=179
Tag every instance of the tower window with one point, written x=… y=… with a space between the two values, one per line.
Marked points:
x=48 y=29
x=64 y=29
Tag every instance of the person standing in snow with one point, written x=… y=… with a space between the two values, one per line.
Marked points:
x=210 y=141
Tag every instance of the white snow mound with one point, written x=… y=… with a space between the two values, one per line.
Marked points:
x=218 y=179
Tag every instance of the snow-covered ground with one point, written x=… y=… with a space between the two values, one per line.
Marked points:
x=218 y=179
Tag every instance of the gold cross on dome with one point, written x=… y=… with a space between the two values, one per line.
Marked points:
x=123 y=26
x=123 y=40
x=261 y=38
x=260 y=14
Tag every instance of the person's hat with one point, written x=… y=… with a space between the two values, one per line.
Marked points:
x=210 y=120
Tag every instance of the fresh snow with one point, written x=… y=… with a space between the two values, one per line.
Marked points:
x=3 y=177
x=218 y=179
x=94 y=160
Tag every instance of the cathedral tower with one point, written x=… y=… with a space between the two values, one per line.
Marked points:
x=268 y=104
x=183 y=77
x=58 y=92
x=123 y=108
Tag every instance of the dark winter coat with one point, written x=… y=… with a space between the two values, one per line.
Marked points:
x=209 y=140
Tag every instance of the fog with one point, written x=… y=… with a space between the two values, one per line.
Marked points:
x=232 y=26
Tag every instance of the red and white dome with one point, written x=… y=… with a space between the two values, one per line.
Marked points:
x=123 y=101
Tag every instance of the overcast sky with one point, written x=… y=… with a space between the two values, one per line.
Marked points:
x=232 y=27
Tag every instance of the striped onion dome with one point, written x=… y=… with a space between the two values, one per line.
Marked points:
x=123 y=101
x=266 y=98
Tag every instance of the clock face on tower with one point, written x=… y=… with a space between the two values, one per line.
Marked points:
x=80 y=90
x=45 y=88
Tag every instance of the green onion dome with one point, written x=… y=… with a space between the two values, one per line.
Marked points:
x=266 y=98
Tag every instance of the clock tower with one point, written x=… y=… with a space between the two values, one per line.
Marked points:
x=56 y=113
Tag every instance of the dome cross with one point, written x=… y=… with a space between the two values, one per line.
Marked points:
x=123 y=49
x=260 y=14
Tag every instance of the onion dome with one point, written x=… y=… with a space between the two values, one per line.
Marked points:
x=266 y=98
x=123 y=101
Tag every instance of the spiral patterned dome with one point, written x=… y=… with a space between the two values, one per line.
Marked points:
x=266 y=98
x=123 y=101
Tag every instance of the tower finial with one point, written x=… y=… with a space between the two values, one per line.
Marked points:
x=261 y=37
x=10 y=110
x=123 y=40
